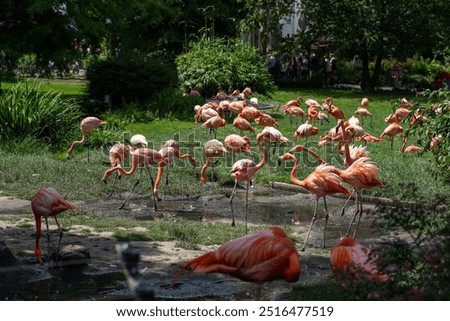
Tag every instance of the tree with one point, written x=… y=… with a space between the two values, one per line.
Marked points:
x=265 y=16
x=377 y=28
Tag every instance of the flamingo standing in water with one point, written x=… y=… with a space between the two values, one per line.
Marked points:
x=46 y=203
x=353 y=264
x=142 y=157
x=323 y=181
x=87 y=125
x=259 y=257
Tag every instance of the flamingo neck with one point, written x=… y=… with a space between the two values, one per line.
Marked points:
x=294 y=178
x=264 y=158
x=348 y=160
x=315 y=155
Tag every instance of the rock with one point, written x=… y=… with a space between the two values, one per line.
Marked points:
x=7 y=258
x=74 y=255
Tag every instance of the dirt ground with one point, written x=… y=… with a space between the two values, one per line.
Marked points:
x=160 y=260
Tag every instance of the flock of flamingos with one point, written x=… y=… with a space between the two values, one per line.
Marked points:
x=266 y=255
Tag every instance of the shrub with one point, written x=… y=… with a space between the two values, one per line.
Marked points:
x=27 y=112
x=434 y=135
x=230 y=64
x=132 y=78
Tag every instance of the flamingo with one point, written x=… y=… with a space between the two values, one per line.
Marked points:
x=250 y=113
x=368 y=138
x=306 y=130
x=365 y=102
x=238 y=144
x=47 y=202
x=266 y=120
x=141 y=157
x=409 y=149
x=244 y=170
x=171 y=150
x=294 y=111
x=242 y=124
x=214 y=123
x=323 y=181
x=363 y=112
x=213 y=148
x=352 y=264
x=247 y=91
x=271 y=135
x=333 y=110
x=258 y=257
x=392 y=130
x=87 y=125
x=117 y=155
x=404 y=103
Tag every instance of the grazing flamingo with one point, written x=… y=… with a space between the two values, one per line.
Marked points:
x=354 y=265
x=244 y=170
x=242 y=124
x=87 y=125
x=254 y=102
x=306 y=130
x=213 y=148
x=321 y=182
x=258 y=257
x=46 y=203
x=142 y=157
x=409 y=149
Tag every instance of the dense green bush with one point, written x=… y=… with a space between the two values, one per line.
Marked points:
x=28 y=113
x=230 y=64
x=131 y=78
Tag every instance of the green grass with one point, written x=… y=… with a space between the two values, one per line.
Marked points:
x=70 y=88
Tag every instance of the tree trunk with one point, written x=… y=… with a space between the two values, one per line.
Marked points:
x=376 y=72
x=365 y=80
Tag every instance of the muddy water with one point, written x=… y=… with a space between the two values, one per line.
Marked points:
x=265 y=207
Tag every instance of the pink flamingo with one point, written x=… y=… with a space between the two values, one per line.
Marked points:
x=87 y=125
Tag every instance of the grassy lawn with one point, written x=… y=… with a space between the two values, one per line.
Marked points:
x=397 y=170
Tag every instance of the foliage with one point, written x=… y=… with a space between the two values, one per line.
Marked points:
x=216 y=64
x=27 y=65
x=374 y=29
x=133 y=78
x=418 y=258
x=437 y=129
x=27 y=112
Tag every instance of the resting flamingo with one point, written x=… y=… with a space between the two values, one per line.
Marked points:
x=410 y=148
x=354 y=265
x=46 y=203
x=306 y=130
x=238 y=144
x=259 y=257
x=242 y=124
x=142 y=157
x=323 y=181
x=87 y=125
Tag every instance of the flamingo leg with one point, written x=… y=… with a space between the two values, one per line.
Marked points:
x=356 y=213
x=246 y=207
x=48 y=237
x=326 y=222
x=310 y=225
x=360 y=215
x=155 y=196
x=231 y=203
x=132 y=189
x=113 y=184
x=60 y=236
x=346 y=202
